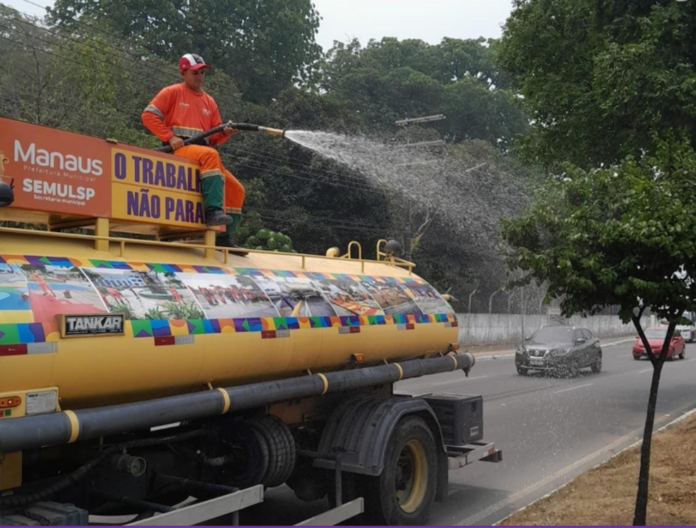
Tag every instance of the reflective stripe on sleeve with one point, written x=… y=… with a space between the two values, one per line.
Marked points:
x=155 y=110
x=211 y=173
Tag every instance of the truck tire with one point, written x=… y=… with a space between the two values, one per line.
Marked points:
x=281 y=448
x=404 y=492
x=252 y=466
x=257 y=464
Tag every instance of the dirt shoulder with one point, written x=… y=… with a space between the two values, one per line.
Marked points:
x=606 y=495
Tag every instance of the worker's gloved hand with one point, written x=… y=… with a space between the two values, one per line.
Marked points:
x=176 y=143
x=229 y=131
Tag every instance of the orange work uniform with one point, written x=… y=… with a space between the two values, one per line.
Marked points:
x=179 y=111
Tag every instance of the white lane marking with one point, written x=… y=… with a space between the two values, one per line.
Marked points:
x=573 y=388
x=646 y=370
x=419 y=382
x=457 y=381
x=419 y=391
x=495 y=356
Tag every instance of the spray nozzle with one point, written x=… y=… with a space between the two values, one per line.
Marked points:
x=256 y=128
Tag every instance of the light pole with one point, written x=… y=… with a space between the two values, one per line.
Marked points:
x=408 y=230
x=424 y=119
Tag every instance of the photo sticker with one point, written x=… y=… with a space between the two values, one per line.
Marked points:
x=144 y=294
x=228 y=296
x=296 y=297
x=14 y=291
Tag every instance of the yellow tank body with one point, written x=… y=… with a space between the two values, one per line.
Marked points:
x=192 y=322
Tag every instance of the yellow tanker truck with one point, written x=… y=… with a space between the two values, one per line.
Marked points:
x=139 y=371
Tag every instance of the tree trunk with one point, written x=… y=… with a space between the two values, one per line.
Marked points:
x=640 y=514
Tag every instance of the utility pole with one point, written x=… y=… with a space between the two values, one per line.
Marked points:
x=424 y=119
x=408 y=228
x=408 y=234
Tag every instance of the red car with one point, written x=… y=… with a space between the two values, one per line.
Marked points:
x=656 y=338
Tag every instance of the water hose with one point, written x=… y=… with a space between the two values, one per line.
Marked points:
x=200 y=138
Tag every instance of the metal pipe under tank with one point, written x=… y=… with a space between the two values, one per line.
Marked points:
x=70 y=426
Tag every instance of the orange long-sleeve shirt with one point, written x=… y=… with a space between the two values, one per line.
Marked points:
x=179 y=111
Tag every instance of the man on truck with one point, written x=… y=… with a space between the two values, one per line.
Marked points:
x=183 y=110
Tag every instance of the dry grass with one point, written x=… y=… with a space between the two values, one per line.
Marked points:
x=606 y=495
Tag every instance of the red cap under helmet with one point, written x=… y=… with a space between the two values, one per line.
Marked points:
x=191 y=61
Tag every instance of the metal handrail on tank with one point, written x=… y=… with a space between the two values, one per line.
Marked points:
x=350 y=246
x=226 y=251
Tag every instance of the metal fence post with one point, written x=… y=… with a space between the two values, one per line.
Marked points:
x=490 y=302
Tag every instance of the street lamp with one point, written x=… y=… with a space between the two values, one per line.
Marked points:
x=424 y=119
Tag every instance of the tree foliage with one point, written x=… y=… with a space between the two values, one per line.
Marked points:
x=264 y=46
x=622 y=236
x=390 y=80
x=602 y=79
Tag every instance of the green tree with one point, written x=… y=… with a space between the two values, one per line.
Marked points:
x=32 y=95
x=264 y=46
x=391 y=79
x=601 y=79
x=609 y=84
x=622 y=236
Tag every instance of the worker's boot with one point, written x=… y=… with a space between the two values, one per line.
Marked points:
x=226 y=239
x=216 y=217
x=212 y=188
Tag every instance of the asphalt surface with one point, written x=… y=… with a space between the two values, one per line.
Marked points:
x=550 y=430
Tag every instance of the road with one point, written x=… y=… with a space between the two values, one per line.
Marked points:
x=550 y=430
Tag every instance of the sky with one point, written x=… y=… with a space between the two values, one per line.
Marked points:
x=427 y=20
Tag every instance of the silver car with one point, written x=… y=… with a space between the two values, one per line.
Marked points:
x=561 y=350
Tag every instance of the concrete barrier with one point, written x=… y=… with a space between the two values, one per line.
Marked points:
x=489 y=329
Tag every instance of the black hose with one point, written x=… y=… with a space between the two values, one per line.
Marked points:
x=194 y=140
x=17 y=501
x=199 y=139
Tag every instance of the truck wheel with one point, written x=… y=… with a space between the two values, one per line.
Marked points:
x=281 y=448
x=404 y=492
x=252 y=464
